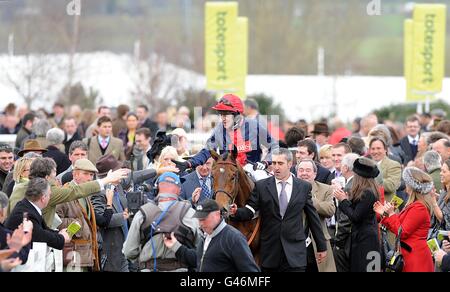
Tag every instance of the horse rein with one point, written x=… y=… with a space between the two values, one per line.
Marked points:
x=233 y=198
x=230 y=196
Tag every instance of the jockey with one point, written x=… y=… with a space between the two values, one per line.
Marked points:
x=246 y=135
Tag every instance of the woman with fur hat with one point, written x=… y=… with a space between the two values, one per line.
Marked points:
x=414 y=221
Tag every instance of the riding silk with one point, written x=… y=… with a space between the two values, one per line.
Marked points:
x=242 y=147
x=247 y=139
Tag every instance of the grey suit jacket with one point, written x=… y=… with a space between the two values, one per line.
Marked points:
x=189 y=185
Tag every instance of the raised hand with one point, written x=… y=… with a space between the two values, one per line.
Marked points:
x=321 y=256
x=181 y=165
x=378 y=208
x=125 y=214
x=389 y=208
x=170 y=241
x=162 y=170
x=115 y=176
x=446 y=246
x=196 y=195
x=260 y=165
x=18 y=239
x=66 y=235
x=340 y=194
x=9 y=264
x=233 y=210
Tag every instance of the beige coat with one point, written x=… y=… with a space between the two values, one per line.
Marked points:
x=85 y=241
x=392 y=173
x=322 y=196
x=115 y=147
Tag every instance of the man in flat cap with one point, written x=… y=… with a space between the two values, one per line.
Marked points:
x=223 y=248
x=84 y=242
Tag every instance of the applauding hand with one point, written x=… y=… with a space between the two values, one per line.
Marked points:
x=340 y=194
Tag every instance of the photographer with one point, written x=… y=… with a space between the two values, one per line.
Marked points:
x=112 y=233
x=170 y=215
x=226 y=247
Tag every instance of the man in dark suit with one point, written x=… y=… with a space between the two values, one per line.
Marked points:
x=36 y=198
x=114 y=233
x=282 y=202
x=197 y=185
x=145 y=121
x=142 y=148
x=410 y=141
x=19 y=240
x=71 y=133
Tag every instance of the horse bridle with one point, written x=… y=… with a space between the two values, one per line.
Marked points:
x=232 y=197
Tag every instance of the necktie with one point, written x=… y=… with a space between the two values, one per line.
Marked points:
x=414 y=142
x=120 y=210
x=205 y=190
x=283 y=199
x=104 y=143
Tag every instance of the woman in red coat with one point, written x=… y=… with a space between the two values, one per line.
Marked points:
x=414 y=220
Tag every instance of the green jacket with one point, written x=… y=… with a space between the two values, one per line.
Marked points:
x=59 y=195
x=392 y=174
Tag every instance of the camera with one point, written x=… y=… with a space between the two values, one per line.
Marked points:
x=162 y=140
x=135 y=200
x=110 y=187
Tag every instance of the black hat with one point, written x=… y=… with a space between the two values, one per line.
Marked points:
x=320 y=128
x=106 y=163
x=206 y=207
x=365 y=167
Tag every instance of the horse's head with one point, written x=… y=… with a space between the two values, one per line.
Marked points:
x=230 y=183
x=226 y=179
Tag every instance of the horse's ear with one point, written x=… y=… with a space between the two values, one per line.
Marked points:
x=234 y=153
x=214 y=154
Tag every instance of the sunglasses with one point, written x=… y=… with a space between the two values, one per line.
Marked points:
x=225 y=102
x=6 y=148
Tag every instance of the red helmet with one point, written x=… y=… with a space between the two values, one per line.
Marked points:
x=230 y=103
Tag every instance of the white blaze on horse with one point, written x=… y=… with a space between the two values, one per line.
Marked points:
x=232 y=185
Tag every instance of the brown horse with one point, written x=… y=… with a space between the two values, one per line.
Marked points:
x=232 y=185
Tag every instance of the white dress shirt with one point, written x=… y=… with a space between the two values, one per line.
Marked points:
x=36 y=207
x=415 y=139
x=288 y=187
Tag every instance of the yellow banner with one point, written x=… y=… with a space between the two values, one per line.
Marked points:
x=428 y=48
x=241 y=61
x=408 y=47
x=220 y=45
